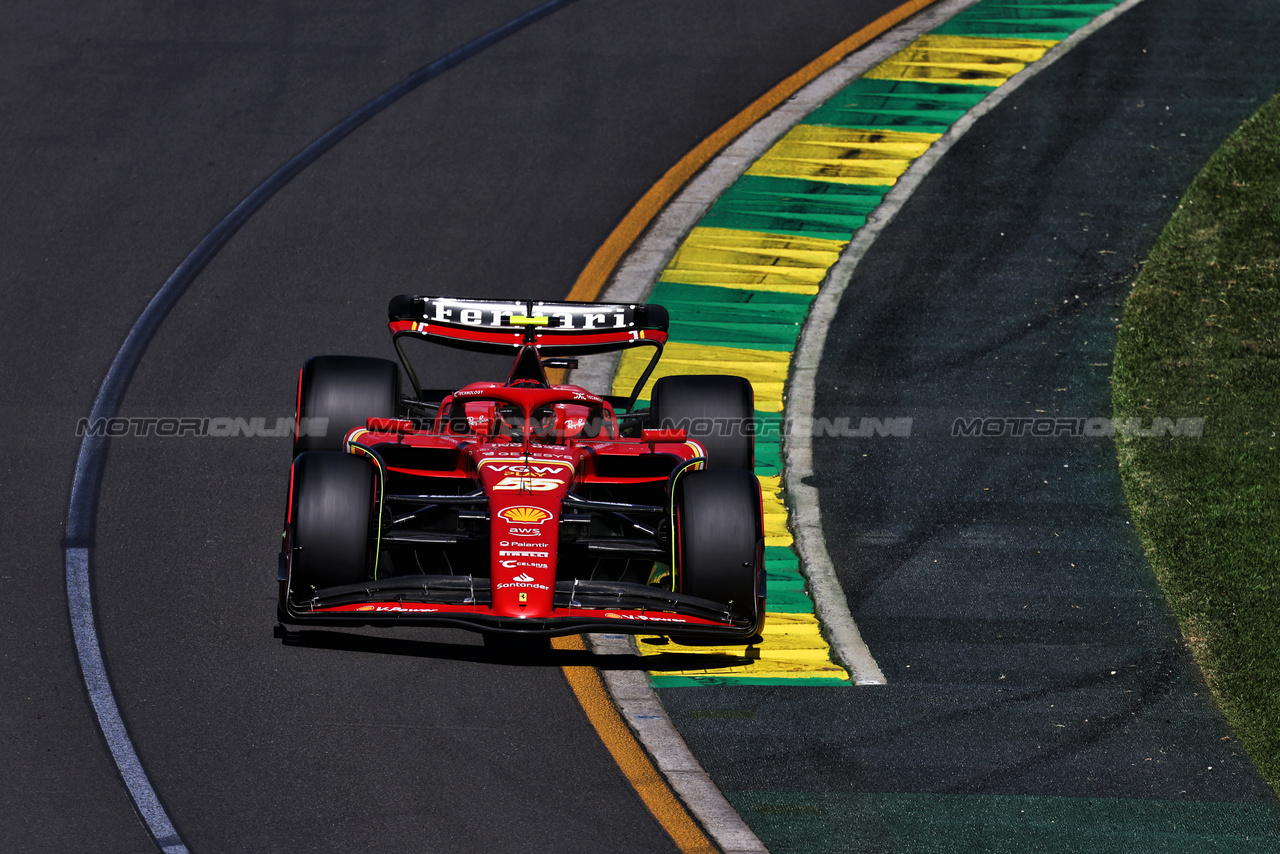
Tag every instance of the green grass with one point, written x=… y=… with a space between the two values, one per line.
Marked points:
x=1200 y=336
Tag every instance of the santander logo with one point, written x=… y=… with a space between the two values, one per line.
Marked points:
x=523 y=578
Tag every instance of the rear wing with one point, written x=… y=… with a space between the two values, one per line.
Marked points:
x=504 y=326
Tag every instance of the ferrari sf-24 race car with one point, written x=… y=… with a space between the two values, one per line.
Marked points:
x=523 y=507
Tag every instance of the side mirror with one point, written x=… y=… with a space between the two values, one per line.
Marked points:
x=652 y=436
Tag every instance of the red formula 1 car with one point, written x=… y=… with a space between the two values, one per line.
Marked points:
x=523 y=506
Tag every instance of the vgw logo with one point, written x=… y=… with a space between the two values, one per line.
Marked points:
x=542 y=467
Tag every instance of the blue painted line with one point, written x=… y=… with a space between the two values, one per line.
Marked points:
x=82 y=508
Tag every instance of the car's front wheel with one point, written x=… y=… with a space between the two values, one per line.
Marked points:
x=719 y=541
x=339 y=393
x=717 y=412
x=332 y=513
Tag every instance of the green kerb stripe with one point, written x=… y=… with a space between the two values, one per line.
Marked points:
x=901 y=105
x=786 y=585
x=758 y=324
x=1024 y=20
x=794 y=207
x=769 y=444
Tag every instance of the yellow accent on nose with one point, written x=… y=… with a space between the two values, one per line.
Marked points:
x=521 y=320
x=524 y=597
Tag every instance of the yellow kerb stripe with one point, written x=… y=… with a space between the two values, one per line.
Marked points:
x=793 y=648
x=842 y=155
x=775 y=512
x=961 y=59
x=752 y=260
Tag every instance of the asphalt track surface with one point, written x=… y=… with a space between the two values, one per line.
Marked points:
x=130 y=131
x=1038 y=697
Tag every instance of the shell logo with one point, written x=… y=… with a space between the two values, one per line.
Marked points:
x=527 y=515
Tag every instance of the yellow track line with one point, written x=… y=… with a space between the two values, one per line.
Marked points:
x=606 y=258
x=639 y=770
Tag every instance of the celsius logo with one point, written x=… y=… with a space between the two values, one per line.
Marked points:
x=525 y=515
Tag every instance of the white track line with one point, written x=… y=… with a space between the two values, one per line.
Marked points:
x=80 y=601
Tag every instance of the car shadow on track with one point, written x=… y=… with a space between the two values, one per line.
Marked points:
x=532 y=655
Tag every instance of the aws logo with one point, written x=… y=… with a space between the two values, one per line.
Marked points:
x=524 y=515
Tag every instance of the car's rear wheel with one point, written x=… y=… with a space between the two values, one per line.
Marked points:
x=332 y=513
x=719 y=537
x=717 y=412
x=345 y=391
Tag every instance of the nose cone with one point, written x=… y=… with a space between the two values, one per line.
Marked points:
x=524 y=531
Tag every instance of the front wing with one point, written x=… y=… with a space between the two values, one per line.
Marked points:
x=463 y=602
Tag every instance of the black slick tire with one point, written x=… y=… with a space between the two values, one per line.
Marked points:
x=347 y=391
x=717 y=412
x=332 y=514
x=718 y=537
